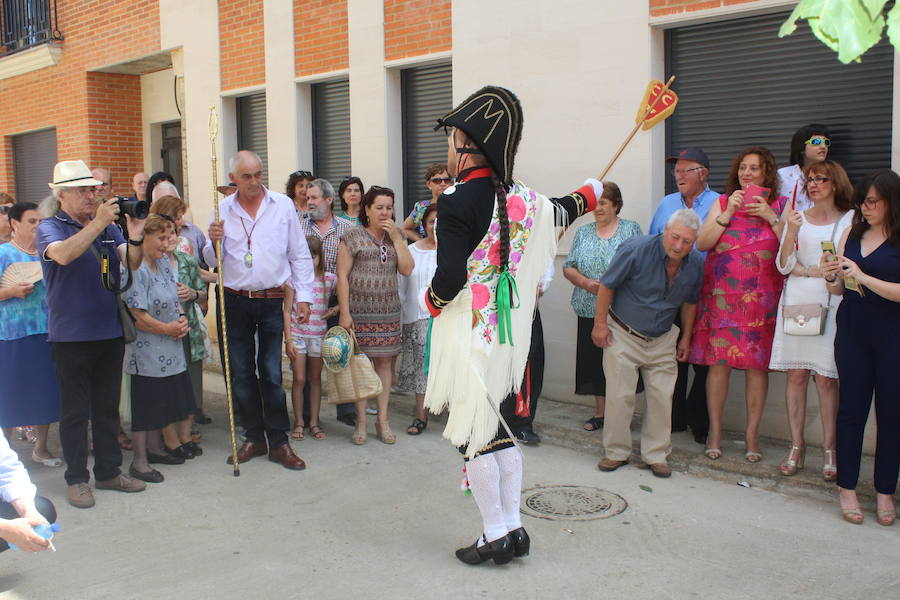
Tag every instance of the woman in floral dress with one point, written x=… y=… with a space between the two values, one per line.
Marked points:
x=741 y=287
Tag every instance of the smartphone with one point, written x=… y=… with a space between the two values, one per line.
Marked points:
x=828 y=248
x=755 y=190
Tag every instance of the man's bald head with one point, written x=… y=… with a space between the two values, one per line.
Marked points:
x=139 y=185
x=103 y=191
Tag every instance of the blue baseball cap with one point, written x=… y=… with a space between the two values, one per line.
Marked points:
x=695 y=154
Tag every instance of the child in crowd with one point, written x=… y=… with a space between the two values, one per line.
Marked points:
x=305 y=340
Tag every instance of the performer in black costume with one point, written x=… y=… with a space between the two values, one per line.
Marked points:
x=496 y=238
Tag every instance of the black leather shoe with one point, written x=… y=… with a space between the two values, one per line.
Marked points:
x=700 y=438
x=347 y=420
x=164 y=459
x=195 y=448
x=527 y=436
x=501 y=550
x=521 y=542
x=180 y=452
x=201 y=419
x=151 y=476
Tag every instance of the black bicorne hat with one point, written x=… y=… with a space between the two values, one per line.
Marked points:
x=492 y=118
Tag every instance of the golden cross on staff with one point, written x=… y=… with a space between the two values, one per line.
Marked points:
x=220 y=286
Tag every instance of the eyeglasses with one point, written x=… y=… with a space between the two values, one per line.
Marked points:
x=677 y=172
x=818 y=141
x=439 y=180
x=102 y=184
x=303 y=174
x=84 y=191
x=819 y=180
x=871 y=202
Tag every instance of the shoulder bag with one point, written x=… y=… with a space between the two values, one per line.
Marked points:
x=806 y=319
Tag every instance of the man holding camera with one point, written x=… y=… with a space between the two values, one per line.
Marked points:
x=82 y=249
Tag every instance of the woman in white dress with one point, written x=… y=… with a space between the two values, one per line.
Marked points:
x=809 y=145
x=830 y=191
x=415 y=319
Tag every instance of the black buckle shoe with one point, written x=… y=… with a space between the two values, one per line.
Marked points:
x=521 y=542
x=501 y=550
x=164 y=459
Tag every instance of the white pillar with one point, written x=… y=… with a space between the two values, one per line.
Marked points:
x=281 y=92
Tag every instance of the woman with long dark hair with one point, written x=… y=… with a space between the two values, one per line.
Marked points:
x=741 y=288
x=867 y=273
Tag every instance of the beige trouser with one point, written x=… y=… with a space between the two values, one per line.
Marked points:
x=621 y=363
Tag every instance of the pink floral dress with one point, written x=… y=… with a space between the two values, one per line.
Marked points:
x=738 y=305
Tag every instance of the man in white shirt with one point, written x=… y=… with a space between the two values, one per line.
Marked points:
x=262 y=250
x=20 y=509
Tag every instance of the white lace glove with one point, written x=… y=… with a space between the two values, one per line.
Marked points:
x=596 y=184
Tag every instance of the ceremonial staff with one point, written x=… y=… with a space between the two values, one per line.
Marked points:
x=220 y=286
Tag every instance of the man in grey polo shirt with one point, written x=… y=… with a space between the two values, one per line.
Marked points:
x=650 y=279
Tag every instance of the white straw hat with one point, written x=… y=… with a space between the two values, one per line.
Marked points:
x=72 y=173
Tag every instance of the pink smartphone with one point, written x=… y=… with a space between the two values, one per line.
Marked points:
x=755 y=190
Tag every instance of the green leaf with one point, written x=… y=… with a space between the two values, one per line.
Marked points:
x=732 y=281
x=646 y=488
x=720 y=303
x=849 y=27
x=765 y=254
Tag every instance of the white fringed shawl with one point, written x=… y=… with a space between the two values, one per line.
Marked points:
x=467 y=374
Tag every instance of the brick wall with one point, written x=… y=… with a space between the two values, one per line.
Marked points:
x=97 y=116
x=320 y=36
x=416 y=27
x=659 y=8
x=242 y=48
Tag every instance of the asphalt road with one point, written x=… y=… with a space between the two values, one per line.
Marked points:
x=382 y=521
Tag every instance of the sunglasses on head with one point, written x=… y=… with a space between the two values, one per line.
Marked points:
x=439 y=180
x=303 y=174
x=818 y=141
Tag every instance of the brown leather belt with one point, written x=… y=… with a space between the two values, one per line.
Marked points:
x=276 y=292
x=630 y=329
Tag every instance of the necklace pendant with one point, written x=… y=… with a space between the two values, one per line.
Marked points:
x=248 y=260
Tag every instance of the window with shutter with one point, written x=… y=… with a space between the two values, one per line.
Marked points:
x=34 y=156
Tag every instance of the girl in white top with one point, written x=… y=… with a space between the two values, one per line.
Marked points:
x=415 y=319
x=809 y=145
x=801 y=247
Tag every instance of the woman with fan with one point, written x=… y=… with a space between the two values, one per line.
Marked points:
x=30 y=395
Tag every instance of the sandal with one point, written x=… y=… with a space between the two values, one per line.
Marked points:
x=383 y=429
x=829 y=467
x=593 y=424
x=359 y=437
x=753 y=457
x=316 y=432
x=297 y=433
x=713 y=453
x=417 y=427
x=124 y=441
x=50 y=461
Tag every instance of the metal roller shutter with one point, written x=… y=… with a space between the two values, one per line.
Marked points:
x=331 y=132
x=427 y=93
x=34 y=156
x=741 y=85
x=251 y=128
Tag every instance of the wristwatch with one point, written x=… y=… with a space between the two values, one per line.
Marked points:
x=136 y=242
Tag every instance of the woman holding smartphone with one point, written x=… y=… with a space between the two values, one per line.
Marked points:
x=741 y=287
x=868 y=341
x=830 y=191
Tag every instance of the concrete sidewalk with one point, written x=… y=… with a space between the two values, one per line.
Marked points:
x=381 y=521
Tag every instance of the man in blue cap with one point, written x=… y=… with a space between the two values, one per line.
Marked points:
x=691 y=175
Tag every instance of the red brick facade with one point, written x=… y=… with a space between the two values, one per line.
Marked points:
x=242 y=49
x=660 y=8
x=97 y=116
x=320 y=36
x=416 y=27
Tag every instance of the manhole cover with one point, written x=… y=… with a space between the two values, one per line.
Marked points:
x=571 y=503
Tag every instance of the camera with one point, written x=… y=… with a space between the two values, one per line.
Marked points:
x=138 y=209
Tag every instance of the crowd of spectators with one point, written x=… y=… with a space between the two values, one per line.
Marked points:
x=721 y=282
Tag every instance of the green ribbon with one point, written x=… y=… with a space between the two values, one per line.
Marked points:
x=506 y=292
x=428 y=345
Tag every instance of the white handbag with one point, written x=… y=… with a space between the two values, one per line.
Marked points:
x=805 y=319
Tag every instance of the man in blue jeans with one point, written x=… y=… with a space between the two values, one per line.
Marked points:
x=262 y=250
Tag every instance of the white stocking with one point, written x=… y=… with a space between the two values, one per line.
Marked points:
x=483 y=473
x=510 y=461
